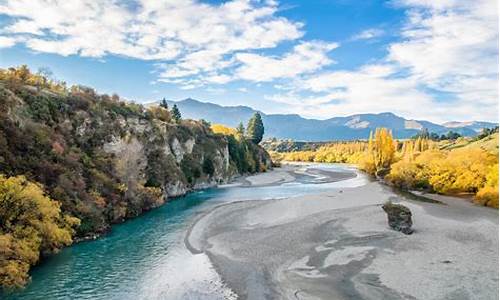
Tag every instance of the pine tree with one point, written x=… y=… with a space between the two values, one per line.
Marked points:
x=176 y=114
x=240 y=129
x=164 y=103
x=255 y=128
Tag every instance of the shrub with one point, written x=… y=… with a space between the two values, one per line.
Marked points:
x=30 y=224
x=208 y=167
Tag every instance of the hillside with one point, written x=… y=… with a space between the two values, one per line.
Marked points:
x=295 y=127
x=488 y=143
x=106 y=160
x=73 y=162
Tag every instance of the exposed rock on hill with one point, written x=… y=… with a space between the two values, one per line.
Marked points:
x=106 y=160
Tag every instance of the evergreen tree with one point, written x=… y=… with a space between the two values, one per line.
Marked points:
x=255 y=128
x=176 y=114
x=240 y=129
x=164 y=103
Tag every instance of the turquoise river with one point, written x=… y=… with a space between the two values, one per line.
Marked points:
x=145 y=258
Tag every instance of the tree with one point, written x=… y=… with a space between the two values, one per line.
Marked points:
x=424 y=133
x=380 y=153
x=164 y=104
x=240 y=130
x=255 y=128
x=434 y=136
x=219 y=128
x=30 y=224
x=176 y=114
x=452 y=135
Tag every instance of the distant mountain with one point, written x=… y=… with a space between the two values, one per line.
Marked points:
x=474 y=125
x=293 y=126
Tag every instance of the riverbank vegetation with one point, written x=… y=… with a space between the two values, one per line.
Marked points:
x=242 y=145
x=76 y=161
x=453 y=167
x=30 y=224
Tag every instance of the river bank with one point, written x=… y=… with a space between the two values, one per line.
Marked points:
x=336 y=244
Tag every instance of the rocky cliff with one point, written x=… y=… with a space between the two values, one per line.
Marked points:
x=106 y=160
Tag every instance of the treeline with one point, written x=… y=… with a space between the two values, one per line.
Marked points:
x=418 y=163
x=277 y=145
x=425 y=134
x=72 y=162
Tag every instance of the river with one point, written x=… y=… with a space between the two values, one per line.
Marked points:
x=146 y=257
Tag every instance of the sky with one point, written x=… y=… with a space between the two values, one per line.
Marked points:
x=422 y=59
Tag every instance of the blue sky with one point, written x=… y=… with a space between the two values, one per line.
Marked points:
x=422 y=59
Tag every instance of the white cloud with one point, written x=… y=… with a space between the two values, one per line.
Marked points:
x=305 y=57
x=445 y=67
x=219 y=79
x=6 y=42
x=198 y=36
x=447 y=48
x=368 y=89
x=368 y=34
x=452 y=46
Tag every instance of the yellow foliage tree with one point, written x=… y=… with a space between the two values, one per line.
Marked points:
x=488 y=195
x=466 y=170
x=30 y=224
x=221 y=129
x=415 y=163
x=380 y=153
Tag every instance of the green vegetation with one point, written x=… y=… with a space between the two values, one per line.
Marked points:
x=176 y=114
x=255 y=128
x=276 y=145
x=100 y=159
x=461 y=166
x=164 y=104
x=240 y=129
x=451 y=135
x=248 y=156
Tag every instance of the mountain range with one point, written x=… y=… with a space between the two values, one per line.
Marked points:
x=293 y=126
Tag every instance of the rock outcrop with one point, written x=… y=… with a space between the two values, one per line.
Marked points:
x=399 y=217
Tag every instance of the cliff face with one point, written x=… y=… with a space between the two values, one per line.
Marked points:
x=106 y=160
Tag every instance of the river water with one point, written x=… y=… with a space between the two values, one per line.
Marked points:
x=145 y=258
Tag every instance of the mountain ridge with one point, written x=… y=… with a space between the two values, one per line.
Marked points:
x=357 y=126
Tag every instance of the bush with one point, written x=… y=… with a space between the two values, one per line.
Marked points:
x=190 y=168
x=30 y=224
x=487 y=196
x=208 y=167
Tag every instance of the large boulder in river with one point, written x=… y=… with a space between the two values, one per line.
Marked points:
x=399 y=217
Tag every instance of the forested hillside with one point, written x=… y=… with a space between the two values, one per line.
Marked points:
x=72 y=162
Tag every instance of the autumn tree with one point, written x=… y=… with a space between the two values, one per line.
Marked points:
x=488 y=194
x=380 y=153
x=219 y=128
x=30 y=224
x=255 y=128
